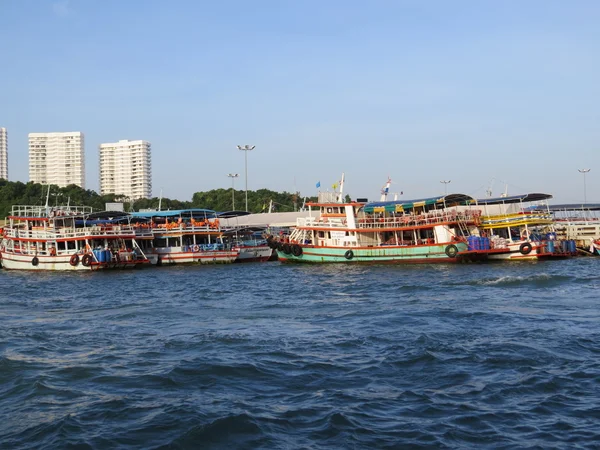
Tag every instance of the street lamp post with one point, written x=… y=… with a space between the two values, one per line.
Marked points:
x=445 y=185
x=233 y=176
x=246 y=149
x=584 y=171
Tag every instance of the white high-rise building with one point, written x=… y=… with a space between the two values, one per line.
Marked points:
x=126 y=169
x=3 y=153
x=57 y=158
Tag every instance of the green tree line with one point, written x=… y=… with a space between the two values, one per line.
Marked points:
x=18 y=193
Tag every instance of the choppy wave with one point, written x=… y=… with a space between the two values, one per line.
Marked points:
x=320 y=357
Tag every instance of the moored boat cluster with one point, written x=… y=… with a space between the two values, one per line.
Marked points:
x=445 y=229
x=75 y=238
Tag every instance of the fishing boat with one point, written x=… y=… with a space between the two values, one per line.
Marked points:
x=249 y=240
x=251 y=243
x=183 y=236
x=522 y=226
x=429 y=230
x=70 y=238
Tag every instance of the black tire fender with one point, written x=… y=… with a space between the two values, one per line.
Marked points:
x=296 y=250
x=86 y=260
x=349 y=254
x=74 y=260
x=451 y=251
x=525 y=248
x=35 y=261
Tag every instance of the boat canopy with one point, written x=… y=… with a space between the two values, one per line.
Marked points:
x=523 y=198
x=244 y=230
x=194 y=212
x=107 y=215
x=228 y=214
x=400 y=206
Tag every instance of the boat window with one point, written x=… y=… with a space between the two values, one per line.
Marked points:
x=336 y=210
x=329 y=210
x=321 y=234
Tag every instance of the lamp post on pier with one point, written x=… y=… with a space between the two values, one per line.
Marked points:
x=233 y=176
x=446 y=185
x=246 y=149
x=584 y=171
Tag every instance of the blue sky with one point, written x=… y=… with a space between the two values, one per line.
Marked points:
x=486 y=94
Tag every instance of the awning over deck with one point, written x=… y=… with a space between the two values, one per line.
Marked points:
x=194 y=212
x=403 y=205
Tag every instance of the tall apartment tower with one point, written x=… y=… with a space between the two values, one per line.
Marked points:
x=57 y=158
x=3 y=153
x=126 y=169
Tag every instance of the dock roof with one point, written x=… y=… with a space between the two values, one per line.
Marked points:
x=522 y=198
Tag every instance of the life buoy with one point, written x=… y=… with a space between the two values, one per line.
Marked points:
x=35 y=261
x=196 y=248
x=296 y=250
x=287 y=249
x=349 y=254
x=451 y=251
x=86 y=260
x=74 y=260
x=525 y=248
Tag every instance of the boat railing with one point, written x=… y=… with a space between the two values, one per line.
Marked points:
x=517 y=219
x=198 y=227
x=416 y=220
x=68 y=232
x=49 y=211
x=396 y=220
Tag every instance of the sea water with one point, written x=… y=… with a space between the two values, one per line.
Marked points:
x=278 y=356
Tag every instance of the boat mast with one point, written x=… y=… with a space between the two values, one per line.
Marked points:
x=47 y=198
x=385 y=190
x=340 y=198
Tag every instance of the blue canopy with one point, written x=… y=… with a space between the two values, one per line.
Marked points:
x=402 y=205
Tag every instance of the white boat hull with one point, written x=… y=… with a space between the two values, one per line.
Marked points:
x=12 y=261
x=160 y=256
x=254 y=254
